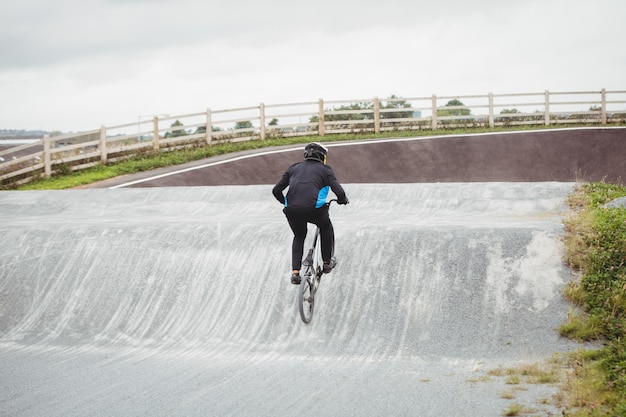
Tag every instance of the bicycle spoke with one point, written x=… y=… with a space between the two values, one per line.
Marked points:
x=311 y=279
x=306 y=299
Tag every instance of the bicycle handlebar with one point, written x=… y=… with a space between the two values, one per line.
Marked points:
x=331 y=201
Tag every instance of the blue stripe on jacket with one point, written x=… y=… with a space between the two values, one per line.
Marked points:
x=321 y=197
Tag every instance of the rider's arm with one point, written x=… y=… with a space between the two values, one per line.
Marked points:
x=337 y=188
x=340 y=193
x=277 y=191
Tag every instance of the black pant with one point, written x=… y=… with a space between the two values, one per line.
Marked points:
x=298 y=220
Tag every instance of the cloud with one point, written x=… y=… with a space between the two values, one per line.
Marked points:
x=76 y=64
x=70 y=29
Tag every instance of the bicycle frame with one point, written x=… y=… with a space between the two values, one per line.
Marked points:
x=313 y=271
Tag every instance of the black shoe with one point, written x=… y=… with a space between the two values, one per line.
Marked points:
x=328 y=267
x=295 y=279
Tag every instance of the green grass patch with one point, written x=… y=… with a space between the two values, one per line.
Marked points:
x=595 y=240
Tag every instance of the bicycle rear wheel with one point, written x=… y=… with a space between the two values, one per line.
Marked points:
x=310 y=279
x=306 y=295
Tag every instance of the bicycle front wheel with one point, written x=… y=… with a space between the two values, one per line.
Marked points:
x=306 y=293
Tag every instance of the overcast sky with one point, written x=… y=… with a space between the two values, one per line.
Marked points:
x=73 y=65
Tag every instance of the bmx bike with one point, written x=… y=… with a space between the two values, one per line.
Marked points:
x=313 y=271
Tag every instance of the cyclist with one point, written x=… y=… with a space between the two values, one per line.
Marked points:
x=309 y=182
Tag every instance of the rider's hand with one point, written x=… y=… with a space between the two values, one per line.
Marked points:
x=346 y=201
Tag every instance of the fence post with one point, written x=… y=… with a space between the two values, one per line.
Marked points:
x=209 y=127
x=262 y=120
x=547 y=108
x=603 y=99
x=491 y=120
x=322 y=131
x=47 y=166
x=155 y=133
x=103 y=144
x=434 y=111
x=376 y=115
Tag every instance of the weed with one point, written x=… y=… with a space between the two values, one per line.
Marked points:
x=595 y=240
x=513 y=380
x=508 y=394
x=532 y=373
x=539 y=374
x=581 y=326
x=483 y=378
x=499 y=371
x=516 y=409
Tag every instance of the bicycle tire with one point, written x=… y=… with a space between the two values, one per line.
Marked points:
x=306 y=296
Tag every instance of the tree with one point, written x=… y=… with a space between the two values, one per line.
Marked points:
x=509 y=111
x=396 y=104
x=392 y=103
x=202 y=129
x=247 y=124
x=507 y=120
x=178 y=130
x=456 y=111
x=349 y=116
x=273 y=122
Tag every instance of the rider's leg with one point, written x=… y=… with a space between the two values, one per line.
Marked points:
x=298 y=223
x=328 y=241
x=327 y=233
x=328 y=252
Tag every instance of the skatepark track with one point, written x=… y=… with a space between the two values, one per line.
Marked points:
x=563 y=155
x=176 y=301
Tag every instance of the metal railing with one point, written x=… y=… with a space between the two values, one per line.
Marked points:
x=77 y=151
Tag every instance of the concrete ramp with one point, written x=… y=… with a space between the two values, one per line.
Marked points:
x=560 y=155
x=176 y=301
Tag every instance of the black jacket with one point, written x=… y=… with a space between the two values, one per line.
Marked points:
x=309 y=183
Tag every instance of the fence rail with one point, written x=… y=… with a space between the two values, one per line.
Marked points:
x=77 y=151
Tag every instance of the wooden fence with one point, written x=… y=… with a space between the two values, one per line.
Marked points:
x=72 y=152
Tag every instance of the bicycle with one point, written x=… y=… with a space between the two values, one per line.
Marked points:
x=313 y=271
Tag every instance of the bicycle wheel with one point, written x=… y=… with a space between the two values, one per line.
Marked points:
x=310 y=279
x=306 y=295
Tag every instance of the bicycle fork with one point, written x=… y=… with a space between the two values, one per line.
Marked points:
x=308 y=261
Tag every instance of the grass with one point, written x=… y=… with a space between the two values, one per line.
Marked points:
x=152 y=160
x=516 y=409
x=595 y=242
x=530 y=373
x=518 y=378
x=508 y=395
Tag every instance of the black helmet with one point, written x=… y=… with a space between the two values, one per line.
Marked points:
x=315 y=151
